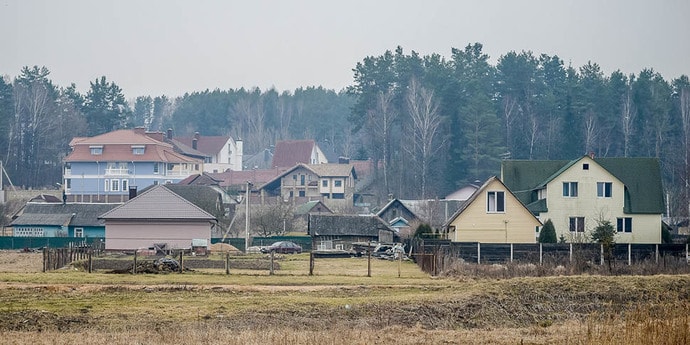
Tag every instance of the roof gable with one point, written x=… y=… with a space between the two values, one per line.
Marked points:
x=291 y=152
x=491 y=181
x=311 y=206
x=209 y=145
x=640 y=176
x=158 y=202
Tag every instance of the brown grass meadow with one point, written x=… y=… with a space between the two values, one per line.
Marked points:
x=339 y=304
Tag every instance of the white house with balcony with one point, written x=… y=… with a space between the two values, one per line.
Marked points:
x=104 y=167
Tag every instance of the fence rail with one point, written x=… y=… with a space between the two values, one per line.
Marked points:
x=434 y=256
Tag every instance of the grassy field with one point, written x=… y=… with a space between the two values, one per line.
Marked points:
x=339 y=304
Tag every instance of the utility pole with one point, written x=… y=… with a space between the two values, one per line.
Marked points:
x=246 y=222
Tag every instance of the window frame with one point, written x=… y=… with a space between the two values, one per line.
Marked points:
x=570 y=189
x=624 y=224
x=338 y=183
x=78 y=232
x=604 y=189
x=576 y=224
x=495 y=201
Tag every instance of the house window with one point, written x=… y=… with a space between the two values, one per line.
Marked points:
x=125 y=184
x=292 y=194
x=577 y=224
x=155 y=168
x=78 y=232
x=155 y=183
x=106 y=185
x=496 y=202
x=301 y=180
x=624 y=224
x=324 y=183
x=604 y=189
x=96 y=150
x=570 y=189
x=585 y=166
x=301 y=193
x=68 y=183
x=294 y=177
x=338 y=183
x=138 y=150
x=115 y=183
x=338 y=196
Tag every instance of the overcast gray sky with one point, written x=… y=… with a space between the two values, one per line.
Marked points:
x=171 y=47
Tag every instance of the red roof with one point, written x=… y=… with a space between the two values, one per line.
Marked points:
x=257 y=176
x=210 y=145
x=289 y=153
x=117 y=146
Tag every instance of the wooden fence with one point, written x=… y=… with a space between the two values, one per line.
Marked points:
x=56 y=258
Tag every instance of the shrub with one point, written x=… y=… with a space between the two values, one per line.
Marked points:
x=547 y=233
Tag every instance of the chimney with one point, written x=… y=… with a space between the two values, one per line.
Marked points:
x=140 y=130
x=132 y=192
x=196 y=135
x=169 y=137
x=343 y=160
x=194 y=141
x=591 y=154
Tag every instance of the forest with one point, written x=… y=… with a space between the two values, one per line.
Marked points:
x=429 y=123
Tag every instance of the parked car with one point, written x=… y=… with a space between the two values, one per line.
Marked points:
x=283 y=247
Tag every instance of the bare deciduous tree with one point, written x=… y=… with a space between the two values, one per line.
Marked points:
x=380 y=123
x=425 y=119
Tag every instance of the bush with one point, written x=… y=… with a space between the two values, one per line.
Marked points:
x=547 y=233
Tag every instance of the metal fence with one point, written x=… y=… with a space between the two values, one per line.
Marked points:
x=433 y=255
x=14 y=242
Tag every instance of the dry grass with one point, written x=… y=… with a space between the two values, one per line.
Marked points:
x=19 y=262
x=340 y=304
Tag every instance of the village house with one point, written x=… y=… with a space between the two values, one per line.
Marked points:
x=577 y=195
x=104 y=167
x=55 y=219
x=492 y=214
x=333 y=184
x=340 y=231
x=158 y=217
x=289 y=153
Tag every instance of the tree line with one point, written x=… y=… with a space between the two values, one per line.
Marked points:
x=429 y=123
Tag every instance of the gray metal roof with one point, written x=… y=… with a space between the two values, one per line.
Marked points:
x=158 y=202
x=347 y=225
x=62 y=214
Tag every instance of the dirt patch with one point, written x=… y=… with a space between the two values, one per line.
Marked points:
x=20 y=262
x=39 y=320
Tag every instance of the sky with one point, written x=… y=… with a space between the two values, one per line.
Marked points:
x=171 y=47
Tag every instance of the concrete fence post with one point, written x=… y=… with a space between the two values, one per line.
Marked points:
x=629 y=254
x=511 y=252
x=541 y=254
x=479 y=253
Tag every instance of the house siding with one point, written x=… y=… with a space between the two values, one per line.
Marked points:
x=646 y=227
x=475 y=224
x=130 y=235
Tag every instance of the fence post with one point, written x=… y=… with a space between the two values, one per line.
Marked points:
x=227 y=263
x=541 y=254
x=181 y=263
x=45 y=260
x=687 y=257
x=656 y=253
x=511 y=252
x=272 y=258
x=90 y=262
x=629 y=254
x=479 y=253
x=571 y=253
x=369 y=259
x=134 y=268
x=601 y=255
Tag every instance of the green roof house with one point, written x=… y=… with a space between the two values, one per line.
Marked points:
x=577 y=194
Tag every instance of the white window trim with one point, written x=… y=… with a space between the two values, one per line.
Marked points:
x=494 y=202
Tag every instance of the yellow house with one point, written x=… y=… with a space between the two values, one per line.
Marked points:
x=577 y=195
x=493 y=215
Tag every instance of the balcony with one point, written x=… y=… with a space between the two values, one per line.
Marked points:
x=116 y=171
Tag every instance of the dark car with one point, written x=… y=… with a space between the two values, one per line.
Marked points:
x=283 y=247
